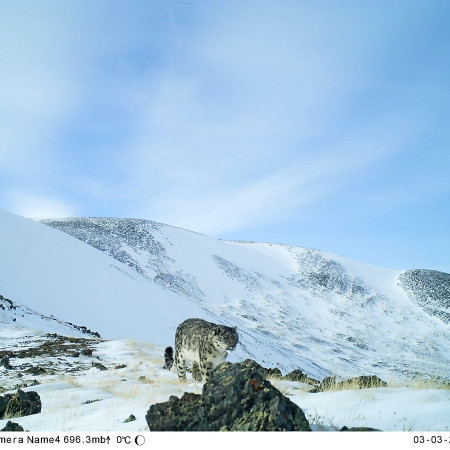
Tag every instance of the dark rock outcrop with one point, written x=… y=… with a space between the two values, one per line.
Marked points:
x=20 y=404
x=298 y=375
x=37 y=370
x=430 y=289
x=236 y=398
x=271 y=372
x=4 y=361
x=12 y=426
x=274 y=372
x=3 y=404
x=250 y=364
x=361 y=382
x=99 y=366
x=368 y=381
x=358 y=429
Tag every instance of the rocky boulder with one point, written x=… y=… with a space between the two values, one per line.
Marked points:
x=271 y=372
x=3 y=404
x=368 y=381
x=20 y=404
x=298 y=375
x=361 y=382
x=235 y=398
x=4 y=361
x=99 y=366
x=12 y=426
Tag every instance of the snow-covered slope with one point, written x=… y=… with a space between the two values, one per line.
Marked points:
x=57 y=275
x=22 y=317
x=294 y=307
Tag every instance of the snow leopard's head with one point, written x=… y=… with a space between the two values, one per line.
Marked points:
x=226 y=337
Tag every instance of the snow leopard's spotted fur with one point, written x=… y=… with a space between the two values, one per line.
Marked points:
x=203 y=345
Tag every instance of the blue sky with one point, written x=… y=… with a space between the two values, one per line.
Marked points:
x=317 y=123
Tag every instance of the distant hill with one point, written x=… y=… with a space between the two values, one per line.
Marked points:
x=23 y=317
x=294 y=307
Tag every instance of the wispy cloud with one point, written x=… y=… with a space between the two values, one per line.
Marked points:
x=220 y=117
x=256 y=126
x=35 y=207
x=214 y=208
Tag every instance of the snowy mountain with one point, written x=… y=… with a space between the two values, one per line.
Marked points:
x=294 y=307
x=57 y=275
x=134 y=281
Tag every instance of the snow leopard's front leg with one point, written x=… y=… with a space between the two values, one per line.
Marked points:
x=196 y=374
x=206 y=365
x=206 y=368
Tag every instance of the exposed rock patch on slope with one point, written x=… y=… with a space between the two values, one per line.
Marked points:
x=430 y=289
x=132 y=242
x=121 y=239
x=318 y=273
x=32 y=356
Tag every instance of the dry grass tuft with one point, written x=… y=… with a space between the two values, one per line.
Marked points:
x=428 y=383
x=333 y=384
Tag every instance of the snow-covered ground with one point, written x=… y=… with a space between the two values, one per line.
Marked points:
x=101 y=400
x=387 y=409
x=77 y=396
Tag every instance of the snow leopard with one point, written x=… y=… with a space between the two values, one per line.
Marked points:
x=203 y=345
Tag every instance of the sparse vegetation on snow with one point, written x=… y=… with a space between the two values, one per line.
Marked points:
x=77 y=396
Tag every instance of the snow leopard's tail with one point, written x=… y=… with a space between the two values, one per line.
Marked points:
x=168 y=358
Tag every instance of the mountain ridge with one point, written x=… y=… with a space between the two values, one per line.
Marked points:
x=245 y=283
x=23 y=317
x=294 y=307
